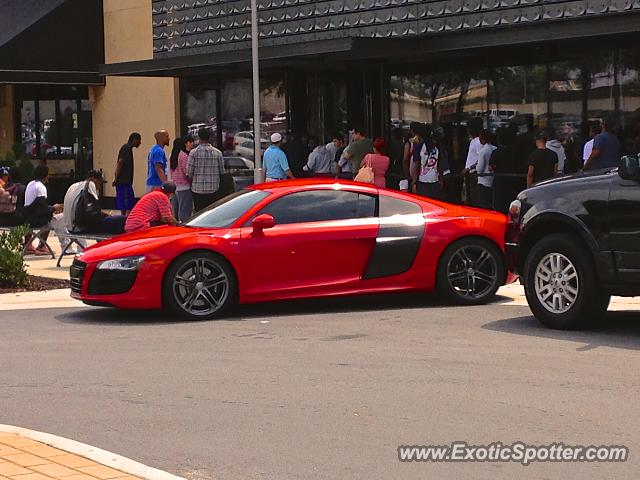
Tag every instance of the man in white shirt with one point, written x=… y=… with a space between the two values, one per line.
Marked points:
x=40 y=213
x=476 y=125
x=484 y=198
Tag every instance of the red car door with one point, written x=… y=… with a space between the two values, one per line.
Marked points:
x=322 y=241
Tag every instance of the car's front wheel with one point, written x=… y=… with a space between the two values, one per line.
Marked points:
x=199 y=286
x=561 y=283
x=470 y=271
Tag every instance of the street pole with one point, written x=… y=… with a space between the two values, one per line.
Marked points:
x=255 y=65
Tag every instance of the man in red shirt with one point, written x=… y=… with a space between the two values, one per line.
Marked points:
x=152 y=210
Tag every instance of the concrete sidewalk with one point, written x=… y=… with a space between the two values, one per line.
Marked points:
x=46 y=266
x=29 y=455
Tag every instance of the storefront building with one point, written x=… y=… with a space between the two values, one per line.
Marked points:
x=331 y=65
x=46 y=73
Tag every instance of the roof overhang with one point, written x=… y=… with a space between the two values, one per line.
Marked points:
x=51 y=41
x=177 y=66
x=331 y=52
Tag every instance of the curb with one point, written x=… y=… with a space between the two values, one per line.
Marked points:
x=59 y=298
x=98 y=455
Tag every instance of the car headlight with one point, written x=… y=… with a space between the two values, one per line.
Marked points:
x=514 y=211
x=125 y=263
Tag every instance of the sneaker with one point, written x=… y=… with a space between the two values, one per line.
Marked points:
x=42 y=251
x=30 y=251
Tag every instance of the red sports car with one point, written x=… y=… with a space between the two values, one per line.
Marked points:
x=298 y=239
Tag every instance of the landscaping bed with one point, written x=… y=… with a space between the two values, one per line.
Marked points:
x=37 y=284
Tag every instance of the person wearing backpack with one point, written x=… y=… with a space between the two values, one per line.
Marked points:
x=82 y=212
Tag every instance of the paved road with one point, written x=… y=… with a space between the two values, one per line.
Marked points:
x=323 y=395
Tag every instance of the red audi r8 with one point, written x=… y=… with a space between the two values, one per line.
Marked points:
x=298 y=239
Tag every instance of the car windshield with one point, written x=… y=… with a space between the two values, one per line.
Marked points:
x=226 y=211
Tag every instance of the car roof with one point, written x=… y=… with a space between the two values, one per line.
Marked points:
x=300 y=183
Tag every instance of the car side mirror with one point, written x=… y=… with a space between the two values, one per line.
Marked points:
x=629 y=167
x=262 y=222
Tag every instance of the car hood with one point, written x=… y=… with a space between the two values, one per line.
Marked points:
x=582 y=177
x=131 y=243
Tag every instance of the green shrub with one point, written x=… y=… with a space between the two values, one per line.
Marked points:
x=10 y=160
x=13 y=272
x=26 y=169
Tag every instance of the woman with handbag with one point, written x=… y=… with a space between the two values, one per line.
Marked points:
x=377 y=162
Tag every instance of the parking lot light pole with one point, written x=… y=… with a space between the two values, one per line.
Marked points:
x=255 y=66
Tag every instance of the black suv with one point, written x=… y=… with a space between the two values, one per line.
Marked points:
x=575 y=241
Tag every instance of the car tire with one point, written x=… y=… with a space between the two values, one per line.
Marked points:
x=199 y=286
x=561 y=284
x=470 y=271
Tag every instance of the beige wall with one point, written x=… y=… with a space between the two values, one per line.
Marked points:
x=7 y=122
x=130 y=104
x=128 y=34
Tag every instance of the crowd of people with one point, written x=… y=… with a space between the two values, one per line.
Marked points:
x=192 y=177
x=343 y=157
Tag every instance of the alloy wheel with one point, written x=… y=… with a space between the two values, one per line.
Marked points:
x=200 y=287
x=556 y=283
x=472 y=271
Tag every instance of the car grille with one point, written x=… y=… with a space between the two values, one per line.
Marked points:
x=76 y=273
x=111 y=282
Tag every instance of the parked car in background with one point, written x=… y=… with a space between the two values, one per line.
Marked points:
x=574 y=241
x=194 y=128
x=241 y=169
x=245 y=148
x=280 y=117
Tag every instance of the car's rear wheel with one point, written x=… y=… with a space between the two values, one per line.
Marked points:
x=199 y=286
x=561 y=283
x=470 y=271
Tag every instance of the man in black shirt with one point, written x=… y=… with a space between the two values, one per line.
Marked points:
x=123 y=182
x=543 y=163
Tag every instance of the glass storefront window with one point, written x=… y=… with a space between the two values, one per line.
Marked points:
x=48 y=129
x=518 y=98
x=237 y=115
x=448 y=101
x=629 y=87
x=52 y=128
x=602 y=86
x=28 y=127
x=67 y=120
x=200 y=111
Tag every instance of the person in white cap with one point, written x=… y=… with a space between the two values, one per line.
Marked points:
x=275 y=161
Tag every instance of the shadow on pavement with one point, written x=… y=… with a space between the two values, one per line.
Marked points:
x=617 y=330
x=391 y=301
x=110 y=316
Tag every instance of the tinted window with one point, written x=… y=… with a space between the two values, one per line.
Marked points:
x=390 y=206
x=226 y=211
x=321 y=205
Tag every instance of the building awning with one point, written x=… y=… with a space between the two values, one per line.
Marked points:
x=339 y=51
x=269 y=56
x=51 y=41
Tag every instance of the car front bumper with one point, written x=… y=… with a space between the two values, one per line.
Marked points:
x=137 y=290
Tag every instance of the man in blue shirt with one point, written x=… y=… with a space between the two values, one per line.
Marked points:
x=157 y=162
x=606 y=149
x=275 y=161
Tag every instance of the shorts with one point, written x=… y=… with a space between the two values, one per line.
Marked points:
x=125 y=198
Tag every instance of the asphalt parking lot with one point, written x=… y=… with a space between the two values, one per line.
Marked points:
x=324 y=389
